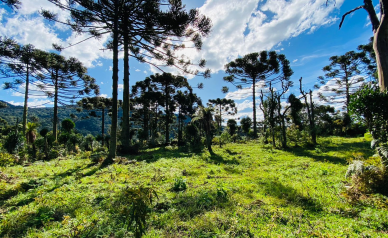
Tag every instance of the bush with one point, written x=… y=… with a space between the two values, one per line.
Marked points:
x=68 y=125
x=14 y=142
x=366 y=179
x=53 y=154
x=134 y=205
x=179 y=184
x=6 y=159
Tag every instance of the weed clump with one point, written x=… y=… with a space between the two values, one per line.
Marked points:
x=133 y=206
x=179 y=184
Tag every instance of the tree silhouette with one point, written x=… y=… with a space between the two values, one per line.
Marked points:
x=246 y=124
x=168 y=85
x=24 y=68
x=223 y=107
x=205 y=116
x=310 y=106
x=146 y=99
x=65 y=80
x=97 y=103
x=344 y=70
x=254 y=67
x=187 y=103
x=232 y=126
x=155 y=30
x=12 y=3
x=295 y=109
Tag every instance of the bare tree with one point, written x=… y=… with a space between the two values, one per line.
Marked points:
x=380 y=40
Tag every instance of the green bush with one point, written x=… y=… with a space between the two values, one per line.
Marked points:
x=179 y=184
x=68 y=125
x=134 y=205
x=14 y=142
x=6 y=159
x=53 y=154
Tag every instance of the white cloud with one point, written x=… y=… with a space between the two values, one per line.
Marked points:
x=110 y=68
x=244 y=105
x=87 y=52
x=27 y=26
x=102 y=82
x=121 y=87
x=103 y=95
x=28 y=30
x=145 y=71
x=335 y=100
x=137 y=70
x=295 y=60
x=257 y=26
x=34 y=103
x=246 y=92
x=34 y=91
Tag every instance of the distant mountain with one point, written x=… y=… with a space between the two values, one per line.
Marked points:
x=10 y=105
x=92 y=125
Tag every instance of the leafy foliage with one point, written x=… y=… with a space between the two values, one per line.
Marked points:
x=371 y=105
x=179 y=184
x=135 y=204
x=14 y=142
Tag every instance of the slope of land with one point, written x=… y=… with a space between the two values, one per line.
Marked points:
x=245 y=190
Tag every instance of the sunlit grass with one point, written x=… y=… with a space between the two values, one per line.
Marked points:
x=245 y=190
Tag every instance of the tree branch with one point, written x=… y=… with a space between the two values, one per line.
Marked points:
x=349 y=12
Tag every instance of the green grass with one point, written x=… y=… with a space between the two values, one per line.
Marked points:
x=245 y=190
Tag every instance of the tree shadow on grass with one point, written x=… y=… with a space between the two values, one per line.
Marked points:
x=217 y=159
x=343 y=148
x=189 y=205
x=290 y=195
x=161 y=152
x=302 y=152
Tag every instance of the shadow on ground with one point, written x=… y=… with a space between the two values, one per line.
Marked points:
x=343 y=148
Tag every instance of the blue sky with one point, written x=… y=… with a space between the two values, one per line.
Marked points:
x=306 y=31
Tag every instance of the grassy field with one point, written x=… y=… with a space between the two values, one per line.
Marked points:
x=245 y=190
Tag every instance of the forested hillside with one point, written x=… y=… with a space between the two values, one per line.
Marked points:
x=85 y=124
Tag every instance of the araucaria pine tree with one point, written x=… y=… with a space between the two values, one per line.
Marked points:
x=255 y=67
x=153 y=30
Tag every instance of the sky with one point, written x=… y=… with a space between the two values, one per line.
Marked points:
x=305 y=31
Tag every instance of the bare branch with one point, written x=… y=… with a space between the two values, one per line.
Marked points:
x=349 y=12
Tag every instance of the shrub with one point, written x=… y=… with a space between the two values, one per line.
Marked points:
x=68 y=125
x=365 y=180
x=6 y=159
x=179 y=184
x=53 y=154
x=134 y=205
x=14 y=142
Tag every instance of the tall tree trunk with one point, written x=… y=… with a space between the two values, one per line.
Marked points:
x=103 y=126
x=347 y=90
x=179 y=127
x=380 y=40
x=125 y=140
x=167 y=133
x=220 y=122
x=380 y=46
x=55 y=106
x=145 y=123
x=254 y=109
x=312 y=120
x=26 y=100
x=283 y=124
x=115 y=79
